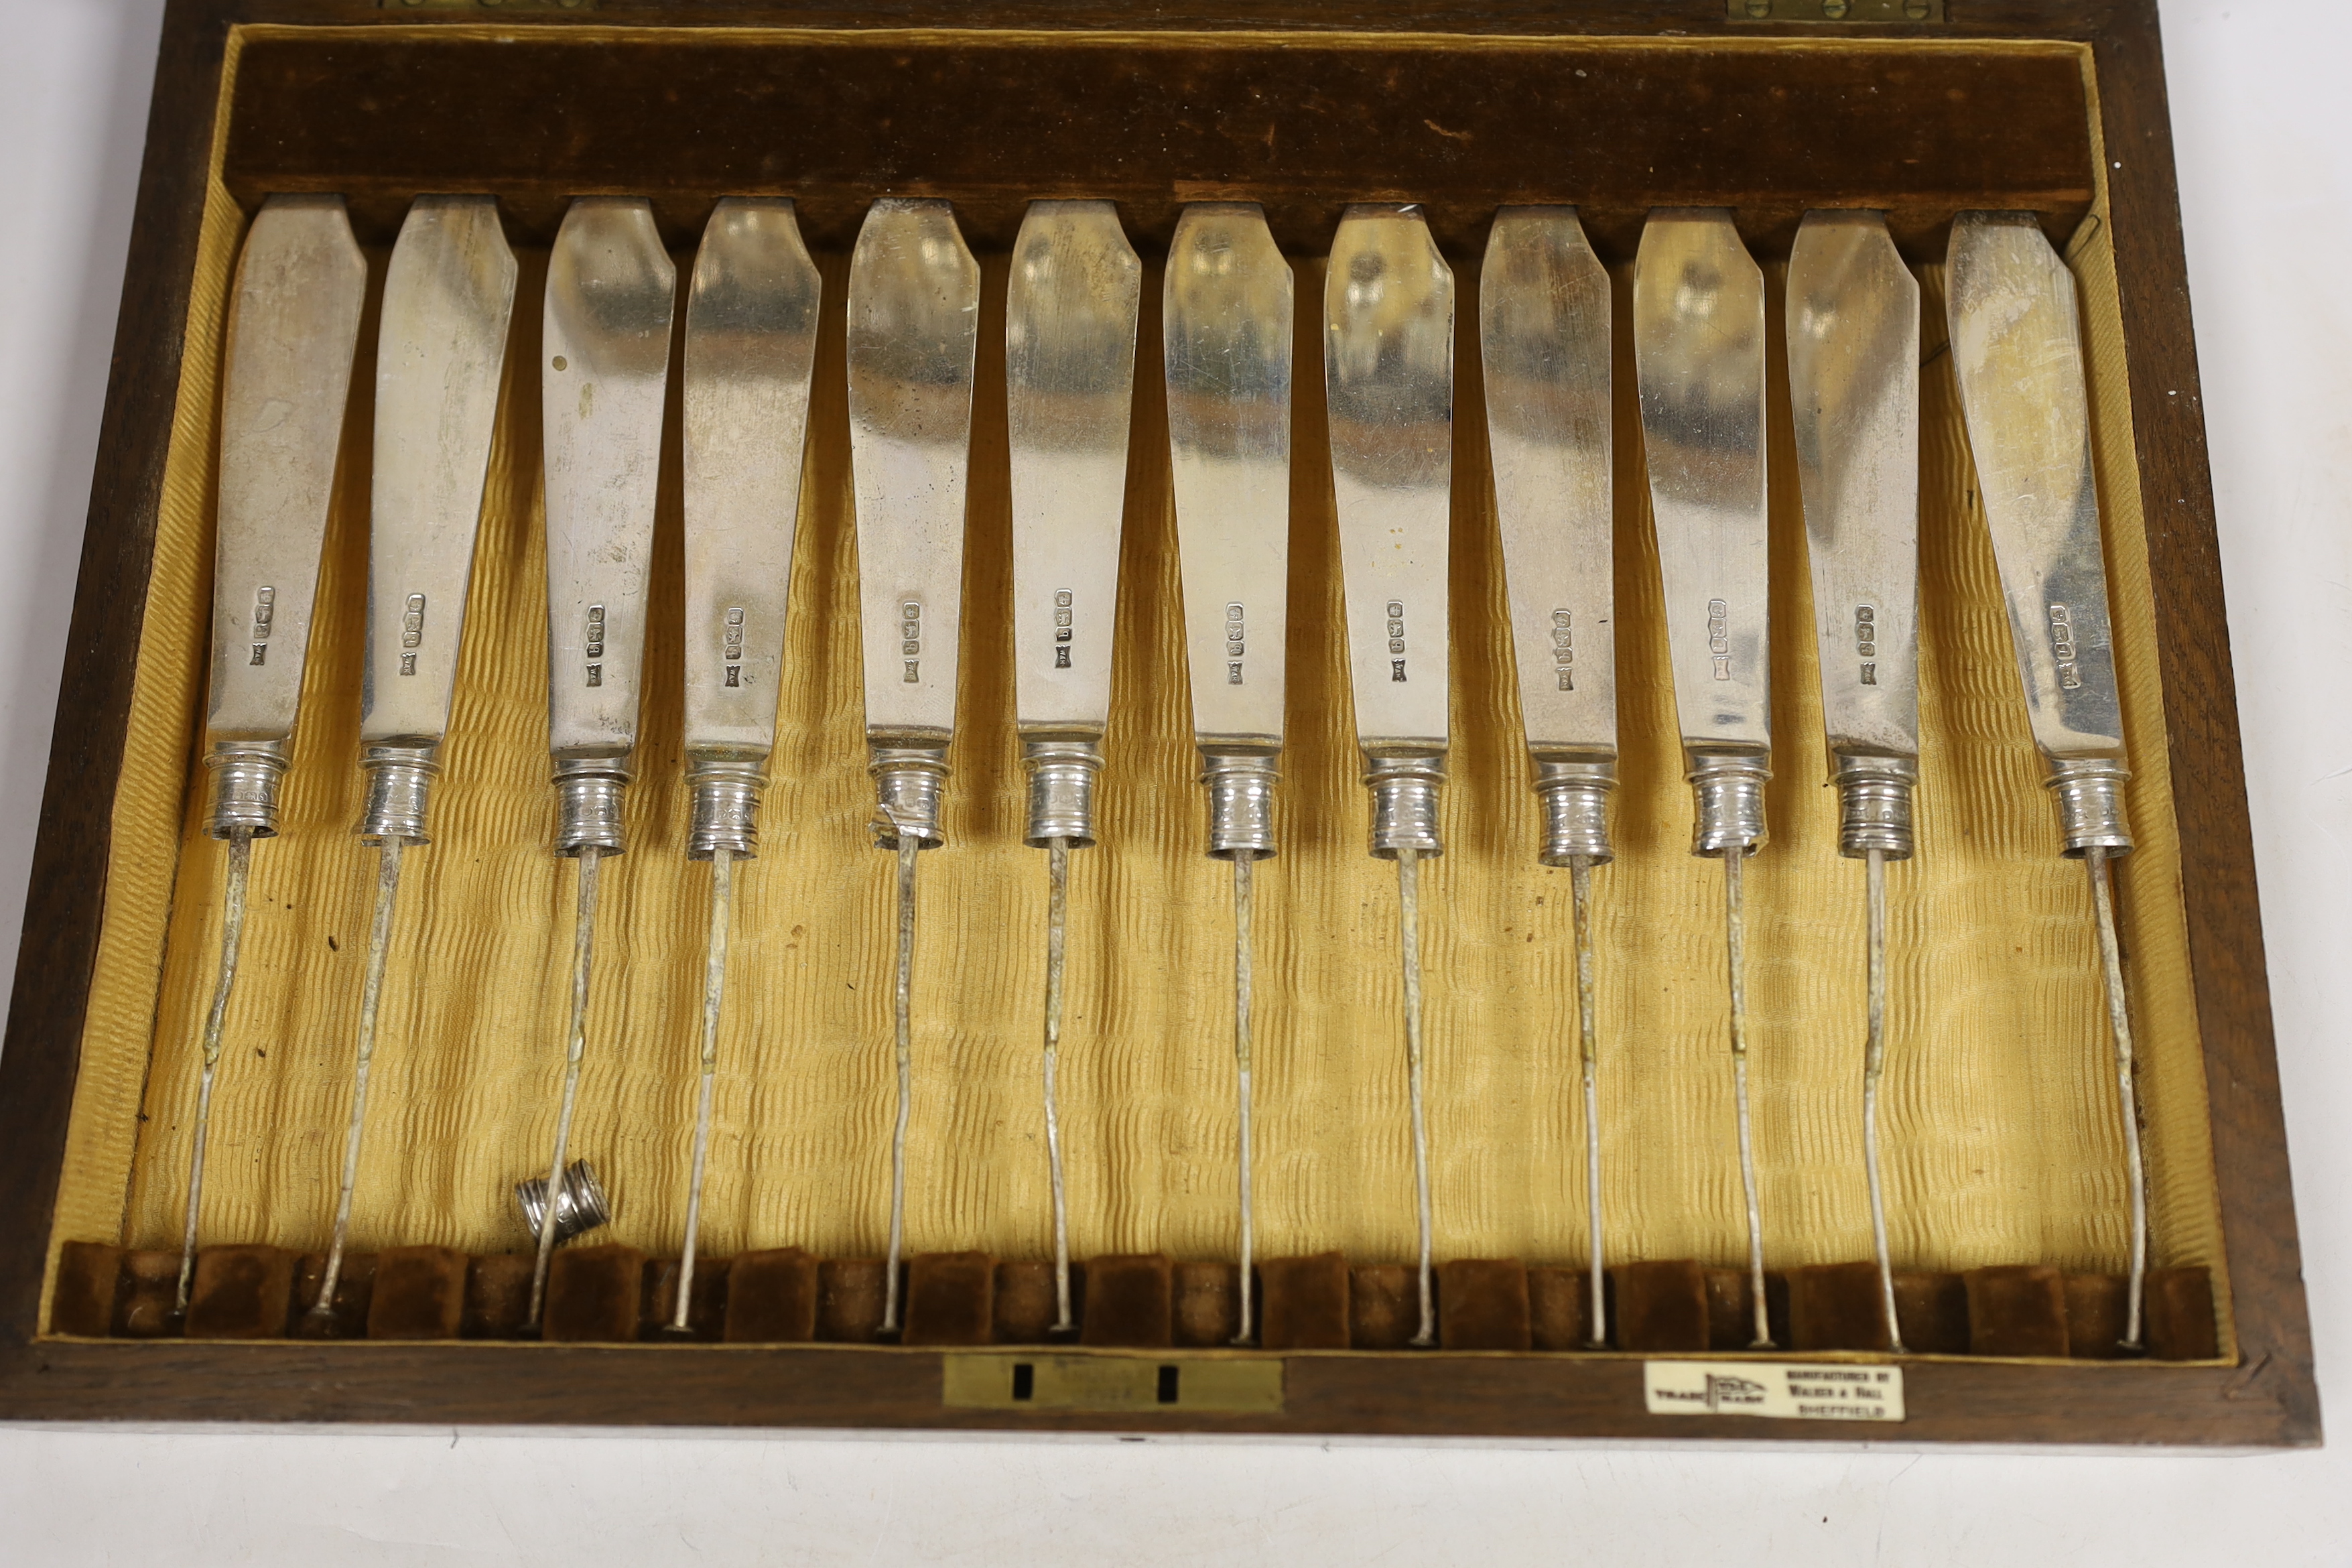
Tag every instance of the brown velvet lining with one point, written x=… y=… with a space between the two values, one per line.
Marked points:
x=83 y=1302
x=1661 y=1307
x=1208 y=1304
x=420 y=1294
x=1304 y=1302
x=240 y=1293
x=347 y=1318
x=2181 y=1321
x=1560 y=1309
x=2017 y=1311
x=1024 y=1309
x=497 y=1295
x=951 y=1299
x=1482 y=1305
x=771 y=1298
x=594 y=1294
x=706 y=1314
x=1383 y=1305
x=1304 y=123
x=1129 y=1301
x=1837 y=1307
x=1932 y=1309
x=851 y=1300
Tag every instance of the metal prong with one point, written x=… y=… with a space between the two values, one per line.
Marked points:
x=714 y=989
x=2096 y=861
x=584 y=948
x=1874 y=1065
x=1735 y=921
x=1579 y=881
x=903 y=1027
x=1408 y=862
x=1242 y=914
x=387 y=892
x=240 y=868
x=1058 y=918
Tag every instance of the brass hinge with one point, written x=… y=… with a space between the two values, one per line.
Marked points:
x=1834 y=10
x=1134 y=1385
x=485 y=5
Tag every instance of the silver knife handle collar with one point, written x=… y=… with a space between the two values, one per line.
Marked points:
x=1875 y=805
x=1728 y=791
x=2090 y=795
x=588 y=793
x=1405 y=802
x=725 y=813
x=1241 y=804
x=909 y=781
x=245 y=779
x=1061 y=792
x=1575 y=796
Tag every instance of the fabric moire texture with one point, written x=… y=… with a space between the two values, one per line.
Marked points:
x=1999 y=1130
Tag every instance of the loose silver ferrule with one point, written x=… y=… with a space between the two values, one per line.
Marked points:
x=244 y=787
x=1729 y=790
x=1061 y=792
x=1405 y=803
x=726 y=805
x=1575 y=798
x=1875 y=806
x=588 y=793
x=580 y=1207
x=909 y=781
x=399 y=788
x=2090 y=795
x=1241 y=805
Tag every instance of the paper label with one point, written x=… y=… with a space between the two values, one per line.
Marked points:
x=1817 y=1392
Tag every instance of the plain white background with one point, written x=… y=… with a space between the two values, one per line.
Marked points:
x=2265 y=144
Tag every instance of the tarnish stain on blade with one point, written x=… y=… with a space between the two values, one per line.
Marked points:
x=1854 y=394
x=2017 y=352
x=1699 y=348
x=1071 y=306
x=610 y=295
x=1544 y=314
x=751 y=352
x=293 y=331
x=448 y=299
x=1388 y=339
x=1226 y=322
x=914 y=332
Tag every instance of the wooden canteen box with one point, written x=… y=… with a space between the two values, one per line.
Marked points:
x=2006 y=1195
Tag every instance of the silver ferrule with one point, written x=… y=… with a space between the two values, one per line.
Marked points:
x=244 y=787
x=909 y=781
x=588 y=793
x=1061 y=792
x=580 y=1206
x=1405 y=803
x=1575 y=798
x=1727 y=788
x=2090 y=793
x=1241 y=805
x=399 y=788
x=1875 y=806
x=726 y=805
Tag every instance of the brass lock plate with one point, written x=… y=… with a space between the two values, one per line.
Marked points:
x=1222 y=1385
